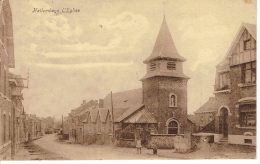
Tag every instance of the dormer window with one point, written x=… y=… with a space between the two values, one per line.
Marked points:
x=152 y=66
x=172 y=100
x=247 y=44
x=171 y=66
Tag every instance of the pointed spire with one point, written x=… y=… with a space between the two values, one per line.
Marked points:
x=164 y=46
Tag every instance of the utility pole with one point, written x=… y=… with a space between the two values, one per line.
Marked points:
x=112 y=111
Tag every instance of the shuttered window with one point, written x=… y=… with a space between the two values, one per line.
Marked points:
x=171 y=66
x=152 y=66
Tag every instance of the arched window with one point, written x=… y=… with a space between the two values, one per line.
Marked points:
x=172 y=100
x=173 y=127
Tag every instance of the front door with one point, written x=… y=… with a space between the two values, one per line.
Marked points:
x=224 y=122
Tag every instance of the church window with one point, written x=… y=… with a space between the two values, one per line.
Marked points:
x=172 y=127
x=172 y=100
x=171 y=66
x=152 y=66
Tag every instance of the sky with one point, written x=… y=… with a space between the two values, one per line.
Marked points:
x=84 y=55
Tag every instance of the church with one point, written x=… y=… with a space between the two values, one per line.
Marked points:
x=159 y=107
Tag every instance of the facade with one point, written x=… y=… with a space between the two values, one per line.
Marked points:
x=6 y=62
x=34 y=129
x=234 y=107
x=165 y=85
x=18 y=119
x=159 y=107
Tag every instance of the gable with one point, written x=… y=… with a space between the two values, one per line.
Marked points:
x=108 y=117
x=243 y=48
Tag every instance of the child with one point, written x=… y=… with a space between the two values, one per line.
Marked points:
x=138 y=146
x=154 y=147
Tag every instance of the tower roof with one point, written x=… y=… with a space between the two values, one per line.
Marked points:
x=164 y=46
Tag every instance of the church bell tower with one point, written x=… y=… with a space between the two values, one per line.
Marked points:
x=165 y=85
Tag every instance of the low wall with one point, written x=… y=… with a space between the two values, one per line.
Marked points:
x=242 y=140
x=181 y=143
x=126 y=143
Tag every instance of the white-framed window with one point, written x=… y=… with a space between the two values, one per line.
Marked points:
x=172 y=100
x=247 y=115
x=248 y=73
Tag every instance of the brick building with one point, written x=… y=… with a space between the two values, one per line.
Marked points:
x=6 y=62
x=16 y=86
x=233 y=109
x=160 y=106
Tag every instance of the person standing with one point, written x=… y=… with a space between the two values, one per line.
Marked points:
x=139 y=146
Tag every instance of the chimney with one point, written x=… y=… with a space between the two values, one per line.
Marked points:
x=84 y=102
x=101 y=103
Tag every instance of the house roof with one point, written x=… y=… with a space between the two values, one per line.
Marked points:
x=251 y=28
x=164 y=47
x=123 y=101
x=128 y=112
x=141 y=116
x=93 y=115
x=103 y=112
x=247 y=100
x=84 y=107
x=210 y=106
x=192 y=118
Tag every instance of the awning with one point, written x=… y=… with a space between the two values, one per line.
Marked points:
x=247 y=100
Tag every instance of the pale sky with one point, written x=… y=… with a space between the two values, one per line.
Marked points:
x=71 y=58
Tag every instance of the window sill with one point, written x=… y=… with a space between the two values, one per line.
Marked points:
x=173 y=107
x=222 y=91
x=240 y=127
x=242 y=85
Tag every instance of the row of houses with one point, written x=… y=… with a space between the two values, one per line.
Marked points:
x=16 y=126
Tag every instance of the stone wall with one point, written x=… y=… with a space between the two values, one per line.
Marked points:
x=126 y=143
x=156 y=99
x=181 y=143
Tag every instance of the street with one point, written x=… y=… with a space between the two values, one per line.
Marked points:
x=90 y=152
x=49 y=148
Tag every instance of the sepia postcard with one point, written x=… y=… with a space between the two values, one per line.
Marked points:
x=123 y=80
